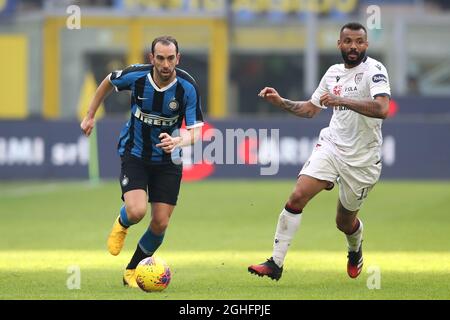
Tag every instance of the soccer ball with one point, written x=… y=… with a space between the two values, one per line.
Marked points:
x=153 y=274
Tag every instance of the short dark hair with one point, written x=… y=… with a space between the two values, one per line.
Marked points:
x=353 y=26
x=166 y=40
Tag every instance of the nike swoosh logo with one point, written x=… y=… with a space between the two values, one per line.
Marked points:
x=140 y=98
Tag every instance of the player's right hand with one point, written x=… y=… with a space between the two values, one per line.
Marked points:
x=271 y=95
x=87 y=125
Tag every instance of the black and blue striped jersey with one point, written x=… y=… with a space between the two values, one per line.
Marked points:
x=155 y=110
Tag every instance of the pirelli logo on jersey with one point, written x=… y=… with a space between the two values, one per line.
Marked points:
x=155 y=120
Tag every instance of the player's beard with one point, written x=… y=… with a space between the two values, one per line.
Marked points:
x=165 y=76
x=357 y=61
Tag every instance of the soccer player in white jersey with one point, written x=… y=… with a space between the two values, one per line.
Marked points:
x=348 y=150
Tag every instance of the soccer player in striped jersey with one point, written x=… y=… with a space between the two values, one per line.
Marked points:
x=348 y=151
x=162 y=96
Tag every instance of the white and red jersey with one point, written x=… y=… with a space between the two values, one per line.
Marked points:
x=355 y=138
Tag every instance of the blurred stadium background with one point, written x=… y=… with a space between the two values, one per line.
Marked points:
x=51 y=67
x=233 y=49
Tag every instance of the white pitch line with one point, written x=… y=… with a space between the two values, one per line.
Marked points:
x=38 y=189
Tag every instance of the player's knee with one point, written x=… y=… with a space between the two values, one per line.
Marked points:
x=298 y=199
x=159 y=226
x=136 y=212
x=343 y=226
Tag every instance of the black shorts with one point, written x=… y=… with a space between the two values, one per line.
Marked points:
x=160 y=181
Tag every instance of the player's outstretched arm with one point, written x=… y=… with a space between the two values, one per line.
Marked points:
x=303 y=109
x=103 y=90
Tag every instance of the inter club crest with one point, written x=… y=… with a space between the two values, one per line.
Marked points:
x=125 y=180
x=337 y=90
x=173 y=105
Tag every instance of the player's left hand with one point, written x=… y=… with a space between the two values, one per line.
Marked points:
x=168 y=143
x=331 y=100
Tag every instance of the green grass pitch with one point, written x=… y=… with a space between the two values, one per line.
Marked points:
x=217 y=230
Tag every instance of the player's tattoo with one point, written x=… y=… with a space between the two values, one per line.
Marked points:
x=369 y=108
x=297 y=108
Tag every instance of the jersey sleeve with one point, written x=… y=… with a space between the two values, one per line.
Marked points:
x=320 y=91
x=123 y=79
x=379 y=81
x=193 y=115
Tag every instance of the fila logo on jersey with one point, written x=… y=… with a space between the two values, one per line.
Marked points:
x=379 y=78
x=351 y=89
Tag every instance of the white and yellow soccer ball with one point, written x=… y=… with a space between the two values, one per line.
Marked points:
x=153 y=274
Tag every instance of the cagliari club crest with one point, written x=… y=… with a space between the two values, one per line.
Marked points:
x=358 y=77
